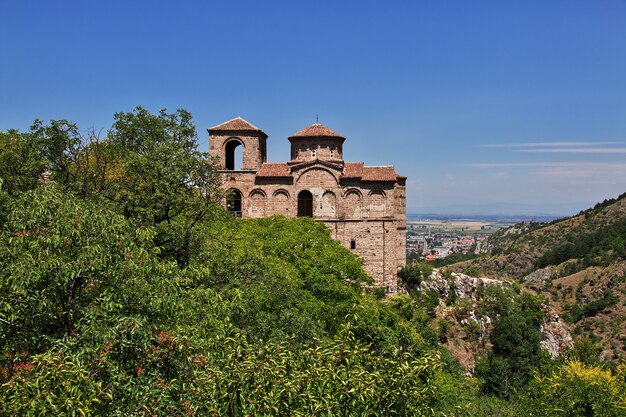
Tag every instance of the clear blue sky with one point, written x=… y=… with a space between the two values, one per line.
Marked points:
x=487 y=106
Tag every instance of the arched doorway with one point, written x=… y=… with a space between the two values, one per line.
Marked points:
x=305 y=204
x=233 y=202
x=234 y=159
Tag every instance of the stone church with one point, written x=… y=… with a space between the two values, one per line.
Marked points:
x=363 y=206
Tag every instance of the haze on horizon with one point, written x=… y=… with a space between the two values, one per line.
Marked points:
x=487 y=107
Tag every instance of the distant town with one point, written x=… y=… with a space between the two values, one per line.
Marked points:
x=433 y=237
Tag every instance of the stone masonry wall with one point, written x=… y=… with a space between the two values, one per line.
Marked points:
x=371 y=214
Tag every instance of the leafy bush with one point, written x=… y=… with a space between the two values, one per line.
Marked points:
x=576 y=389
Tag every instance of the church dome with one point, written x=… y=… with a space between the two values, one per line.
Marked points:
x=316 y=130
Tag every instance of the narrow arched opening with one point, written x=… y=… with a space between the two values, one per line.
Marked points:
x=305 y=204
x=233 y=202
x=234 y=157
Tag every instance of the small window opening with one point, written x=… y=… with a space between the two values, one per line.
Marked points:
x=353 y=244
x=332 y=151
x=234 y=157
x=313 y=151
x=233 y=203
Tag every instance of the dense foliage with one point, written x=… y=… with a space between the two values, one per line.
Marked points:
x=126 y=290
x=515 y=353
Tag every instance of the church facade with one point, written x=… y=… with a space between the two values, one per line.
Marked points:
x=363 y=206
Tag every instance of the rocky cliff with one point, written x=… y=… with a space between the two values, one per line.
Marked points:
x=468 y=323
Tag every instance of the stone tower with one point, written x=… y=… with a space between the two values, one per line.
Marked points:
x=228 y=136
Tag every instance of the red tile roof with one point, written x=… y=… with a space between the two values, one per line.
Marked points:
x=316 y=130
x=353 y=170
x=387 y=173
x=236 y=124
x=279 y=169
x=365 y=173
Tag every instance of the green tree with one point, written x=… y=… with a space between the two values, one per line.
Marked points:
x=148 y=166
x=515 y=338
x=21 y=164
x=58 y=254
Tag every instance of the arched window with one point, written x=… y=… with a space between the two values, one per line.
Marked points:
x=305 y=204
x=233 y=202
x=234 y=158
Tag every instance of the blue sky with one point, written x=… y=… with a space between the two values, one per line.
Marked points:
x=487 y=106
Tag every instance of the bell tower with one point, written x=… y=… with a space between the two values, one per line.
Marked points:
x=237 y=135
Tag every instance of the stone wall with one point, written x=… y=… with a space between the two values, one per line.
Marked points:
x=370 y=217
x=375 y=241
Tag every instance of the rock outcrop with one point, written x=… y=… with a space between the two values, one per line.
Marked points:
x=473 y=330
x=464 y=285
x=556 y=337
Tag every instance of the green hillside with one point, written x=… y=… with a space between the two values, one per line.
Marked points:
x=578 y=262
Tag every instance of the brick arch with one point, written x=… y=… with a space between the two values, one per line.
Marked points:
x=281 y=203
x=377 y=206
x=257 y=191
x=234 y=201
x=281 y=191
x=328 y=205
x=305 y=204
x=353 y=191
x=377 y=191
x=352 y=204
x=314 y=177
x=230 y=145
x=257 y=202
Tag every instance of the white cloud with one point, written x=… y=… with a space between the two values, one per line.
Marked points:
x=573 y=173
x=512 y=164
x=573 y=150
x=547 y=144
x=549 y=164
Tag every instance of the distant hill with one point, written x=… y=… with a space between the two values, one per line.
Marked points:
x=579 y=262
x=494 y=218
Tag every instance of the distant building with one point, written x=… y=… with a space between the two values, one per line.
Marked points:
x=363 y=206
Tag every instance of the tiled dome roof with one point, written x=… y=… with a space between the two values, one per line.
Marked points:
x=236 y=124
x=316 y=130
